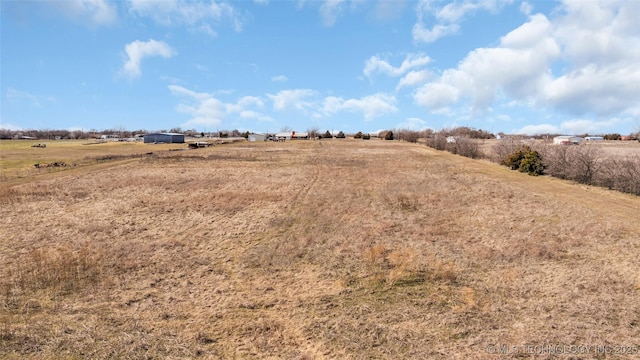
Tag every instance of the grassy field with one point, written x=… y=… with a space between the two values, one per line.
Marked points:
x=18 y=157
x=311 y=250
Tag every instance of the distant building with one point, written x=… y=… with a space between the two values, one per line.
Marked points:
x=300 y=135
x=256 y=137
x=282 y=136
x=170 y=138
x=593 y=138
x=567 y=140
x=291 y=135
x=109 y=137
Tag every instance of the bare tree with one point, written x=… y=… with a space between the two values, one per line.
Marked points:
x=313 y=132
x=585 y=164
x=503 y=148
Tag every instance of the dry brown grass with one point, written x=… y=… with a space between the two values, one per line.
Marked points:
x=309 y=250
x=18 y=157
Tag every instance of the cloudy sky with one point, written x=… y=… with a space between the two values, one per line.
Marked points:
x=569 y=67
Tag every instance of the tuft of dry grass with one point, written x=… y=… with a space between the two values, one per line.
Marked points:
x=309 y=251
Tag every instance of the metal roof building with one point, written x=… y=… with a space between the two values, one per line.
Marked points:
x=171 y=138
x=566 y=139
x=256 y=137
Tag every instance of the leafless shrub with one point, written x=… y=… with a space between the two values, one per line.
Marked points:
x=620 y=174
x=557 y=160
x=437 y=141
x=577 y=163
x=464 y=146
x=503 y=148
x=586 y=165
x=409 y=135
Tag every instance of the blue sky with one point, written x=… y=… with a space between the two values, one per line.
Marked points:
x=569 y=67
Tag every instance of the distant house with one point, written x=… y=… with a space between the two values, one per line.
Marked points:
x=593 y=138
x=567 y=140
x=109 y=137
x=300 y=136
x=282 y=136
x=256 y=137
x=171 y=138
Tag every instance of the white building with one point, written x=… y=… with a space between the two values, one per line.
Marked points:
x=282 y=136
x=567 y=140
x=109 y=137
x=256 y=137
x=300 y=135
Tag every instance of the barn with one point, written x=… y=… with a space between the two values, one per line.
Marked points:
x=567 y=140
x=171 y=138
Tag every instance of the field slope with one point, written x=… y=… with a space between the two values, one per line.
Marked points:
x=311 y=250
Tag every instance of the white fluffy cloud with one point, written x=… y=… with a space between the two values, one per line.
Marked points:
x=299 y=99
x=279 y=78
x=206 y=110
x=426 y=35
x=202 y=16
x=330 y=10
x=446 y=18
x=244 y=102
x=376 y=64
x=250 y=114
x=371 y=106
x=575 y=127
x=414 y=78
x=592 y=47
x=538 y=129
x=413 y=123
x=138 y=50
x=601 y=41
x=95 y=12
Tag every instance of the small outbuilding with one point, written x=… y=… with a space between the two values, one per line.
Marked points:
x=567 y=140
x=256 y=137
x=170 y=138
x=594 y=138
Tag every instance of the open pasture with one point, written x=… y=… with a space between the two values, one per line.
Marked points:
x=313 y=249
x=18 y=157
